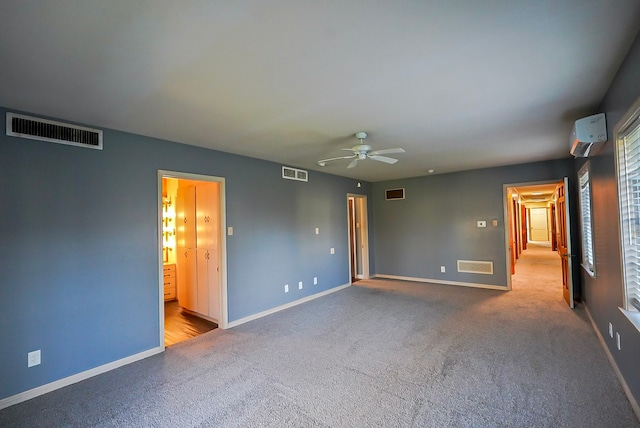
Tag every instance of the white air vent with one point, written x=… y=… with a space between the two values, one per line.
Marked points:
x=35 y=128
x=294 y=174
x=475 y=266
x=393 y=194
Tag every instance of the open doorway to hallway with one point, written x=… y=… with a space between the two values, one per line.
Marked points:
x=193 y=254
x=358 y=237
x=538 y=240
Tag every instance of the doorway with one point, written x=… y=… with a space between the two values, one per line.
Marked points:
x=358 y=237
x=192 y=252
x=538 y=231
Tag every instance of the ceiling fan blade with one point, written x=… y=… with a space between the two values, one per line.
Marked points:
x=383 y=159
x=324 y=161
x=353 y=163
x=387 y=151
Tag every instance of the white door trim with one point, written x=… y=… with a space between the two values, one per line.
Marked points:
x=224 y=315
x=506 y=220
x=360 y=205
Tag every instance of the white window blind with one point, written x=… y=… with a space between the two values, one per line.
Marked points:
x=585 y=217
x=628 y=153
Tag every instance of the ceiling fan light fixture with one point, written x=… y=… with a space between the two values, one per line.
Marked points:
x=364 y=151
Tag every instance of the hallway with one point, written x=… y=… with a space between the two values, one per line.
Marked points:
x=539 y=272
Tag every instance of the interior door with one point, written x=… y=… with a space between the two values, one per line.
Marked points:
x=564 y=240
x=523 y=226
x=539 y=227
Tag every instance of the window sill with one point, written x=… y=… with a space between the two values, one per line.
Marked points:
x=591 y=273
x=632 y=316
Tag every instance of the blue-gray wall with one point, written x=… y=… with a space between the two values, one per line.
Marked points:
x=79 y=246
x=435 y=224
x=603 y=294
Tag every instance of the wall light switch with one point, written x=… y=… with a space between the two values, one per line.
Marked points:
x=286 y=288
x=33 y=358
x=300 y=285
x=482 y=223
x=495 y=222
x=443 y=269
x=230 y=230
x=315 y=280
x=317 y=231
x=332 y=251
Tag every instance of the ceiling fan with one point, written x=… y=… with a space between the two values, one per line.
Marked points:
x=364 y=151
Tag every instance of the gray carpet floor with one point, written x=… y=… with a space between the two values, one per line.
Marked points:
x=378 y=354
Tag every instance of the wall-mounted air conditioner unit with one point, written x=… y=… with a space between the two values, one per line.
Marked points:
x=588 y=135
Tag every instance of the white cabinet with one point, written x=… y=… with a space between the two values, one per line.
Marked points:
x=198 y=236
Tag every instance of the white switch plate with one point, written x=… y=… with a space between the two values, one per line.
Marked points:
x=482 y=223
x=315 y=280
x=618 y=340
x=443 y=269
x=300 y=285
x=332 y=250
x=611 y=330
x=317 y=231
x=286 y=288
x=33 y=358
x=230 y=230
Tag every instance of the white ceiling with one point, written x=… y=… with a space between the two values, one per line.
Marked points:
x=457 y=84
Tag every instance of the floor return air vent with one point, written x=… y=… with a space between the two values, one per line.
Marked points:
x=34 y=128
x=475 y=266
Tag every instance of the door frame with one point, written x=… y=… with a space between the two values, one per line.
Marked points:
x=224 y=314
x=507 y=226
x=360 y=205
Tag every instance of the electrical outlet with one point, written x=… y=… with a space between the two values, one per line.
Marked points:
x=611 y=330
x=443 y=269
x=299 y=285
x=481 y=223
x=618 y=340
x=315 y=280
x=286 y=288
x=332 y=250
x=33 y=358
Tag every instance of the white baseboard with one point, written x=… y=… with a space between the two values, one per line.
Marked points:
x=285 y=306
x=35 y=392
x=625 y=387
x=440 y=281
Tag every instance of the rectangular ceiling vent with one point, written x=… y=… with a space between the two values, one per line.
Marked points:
x=475 y=266
x=394 y=194
x=294 y=174
x=51 y=131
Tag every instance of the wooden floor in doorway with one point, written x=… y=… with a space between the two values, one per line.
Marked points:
x=180 y=325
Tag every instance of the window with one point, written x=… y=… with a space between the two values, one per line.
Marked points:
x=628 y=163
x=585 y=219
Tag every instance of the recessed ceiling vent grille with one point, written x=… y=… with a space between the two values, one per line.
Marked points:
x=35 y=128
x=475 y=266
x=294 y=174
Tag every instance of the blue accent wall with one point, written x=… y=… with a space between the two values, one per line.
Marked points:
x=79 y=246
x=604 y=293
x=435 y=224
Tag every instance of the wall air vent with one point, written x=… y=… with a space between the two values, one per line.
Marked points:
x=475 y=266
x=393 y=194
x=294 y=174
x=35 y=128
